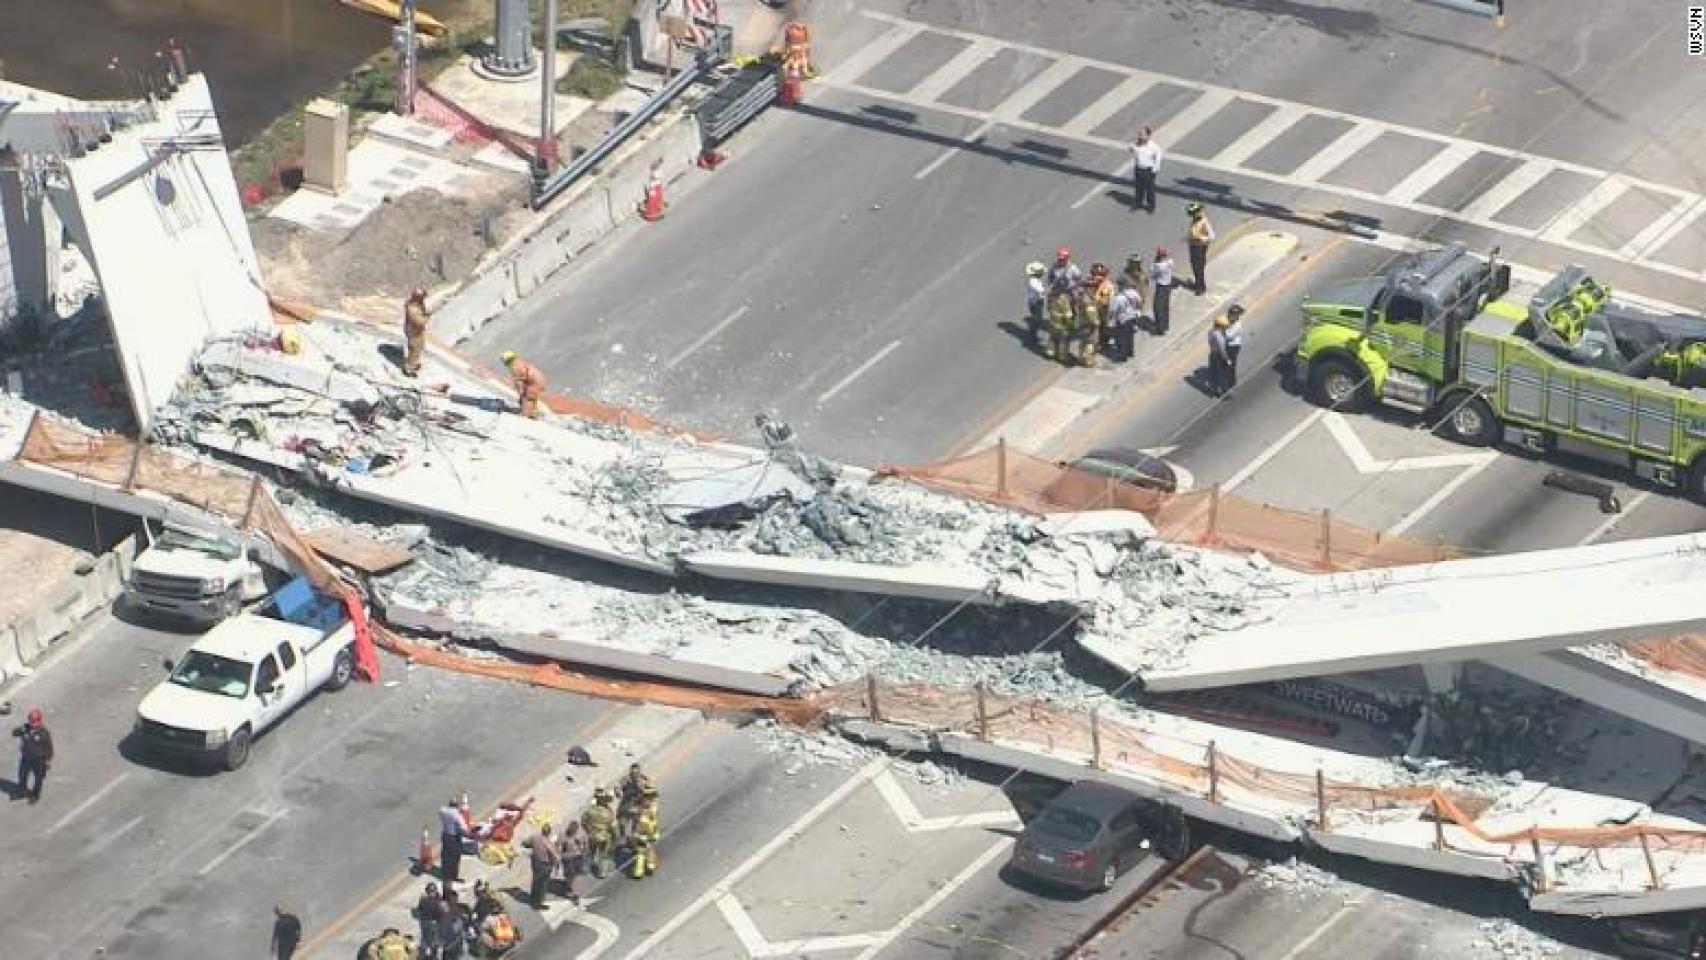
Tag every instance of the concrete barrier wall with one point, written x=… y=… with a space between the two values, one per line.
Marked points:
x=25 y=641
x=584 y=216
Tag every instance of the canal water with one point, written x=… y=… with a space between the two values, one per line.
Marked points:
x=261 y=56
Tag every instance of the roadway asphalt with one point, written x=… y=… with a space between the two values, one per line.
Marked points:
x=133 y=859
x=856 y=267
x=1226 y=910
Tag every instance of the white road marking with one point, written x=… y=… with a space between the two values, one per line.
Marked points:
x=873 y=53
x=953 y=151
x=1510 y=186
x=706 y=337
x=1107 y=105
x=1440 y=496
x=1366 y=463
x=605 y=933
x=1293 y=180
x=756 y=860
x=1209 y=102
x=1039 y=86
x=1610 y=523
x=1336 y=153
x=1281 y=119
x=1423 y=178
x=110 y=837
x=88 y=802
x=242 y=842
x=1321 y=931
x=753 y=941
x=935 y=900
x=1663 y=230
x=1577 y=214
x=858 y=372
x=914 y=821
x=1273 y=450
x=958 y=67
x=1102 y=187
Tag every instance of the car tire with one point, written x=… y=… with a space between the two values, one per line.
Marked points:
x=1339 y=384
x=237 y=749
x=1110 y=875
x=1470 y=421
x=1697 y=480
x=343 y=668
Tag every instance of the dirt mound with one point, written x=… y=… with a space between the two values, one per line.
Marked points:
x=422 y=237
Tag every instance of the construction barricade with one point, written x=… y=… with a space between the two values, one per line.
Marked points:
x=1300 y=540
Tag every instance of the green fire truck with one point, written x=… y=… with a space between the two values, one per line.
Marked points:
x=1572 y=369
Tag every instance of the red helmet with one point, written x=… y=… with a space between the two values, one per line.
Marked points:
x=35 y=716
x=1160 y=252
x=1063 y=254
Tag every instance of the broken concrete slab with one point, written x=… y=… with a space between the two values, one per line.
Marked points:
x=1664 y=700
x=922 y=581
x=1447 y=612
x=1097 y=523
x=699 y=664
x=734 y=495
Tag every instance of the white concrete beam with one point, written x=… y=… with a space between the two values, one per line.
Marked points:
x=1622 y=692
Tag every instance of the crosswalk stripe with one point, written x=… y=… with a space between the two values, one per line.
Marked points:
x=875 y=52
x=1346 y=146
x=1664 y=229
x=1283 y=118
x=1423 y=178
x=958 y=67
x=1039 y=87
x=1577 y=214
x=1513 y=185
x=1106 y=106
x=1208 y=103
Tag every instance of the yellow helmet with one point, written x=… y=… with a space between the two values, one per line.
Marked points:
x=507 y=356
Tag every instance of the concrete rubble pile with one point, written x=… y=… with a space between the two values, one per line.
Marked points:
x=1297 y=876
x=333 y=409
x=1511 y=941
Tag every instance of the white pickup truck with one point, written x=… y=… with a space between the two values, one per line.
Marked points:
x=193 y=575
x=246 y=674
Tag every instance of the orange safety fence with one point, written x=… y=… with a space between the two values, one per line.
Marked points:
x=1304 y=541
x=1110 y=743
x=239 y=498
x=1685 y=654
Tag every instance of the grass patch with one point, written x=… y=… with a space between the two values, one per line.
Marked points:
x=368 y=89
x=591 y=77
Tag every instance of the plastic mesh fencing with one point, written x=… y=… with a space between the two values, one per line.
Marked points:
x=1303 y=541
x=1214 y=773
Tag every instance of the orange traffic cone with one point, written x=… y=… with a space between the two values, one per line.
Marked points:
x=652 y=207
x=426 y=859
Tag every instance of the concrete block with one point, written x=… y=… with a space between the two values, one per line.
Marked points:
x=1420 y=858
x=274 y=368
x=923 y=581
x=889 y=736
x=1619 y=903
x=477 y=302
x=536 y=261
x=10 y=661
x=585 y=220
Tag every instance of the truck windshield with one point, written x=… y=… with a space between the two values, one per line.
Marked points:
x=175 y=539
x=213 y=674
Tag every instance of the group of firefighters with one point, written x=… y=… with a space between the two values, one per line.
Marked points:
x=529 y=380
x=1074 y=315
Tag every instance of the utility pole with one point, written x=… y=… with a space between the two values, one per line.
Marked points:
x=404 y=39
x=546 y=159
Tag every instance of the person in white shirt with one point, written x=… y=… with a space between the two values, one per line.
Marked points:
x=1036 y=301
x=1161 y=278
x=1146 y=165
